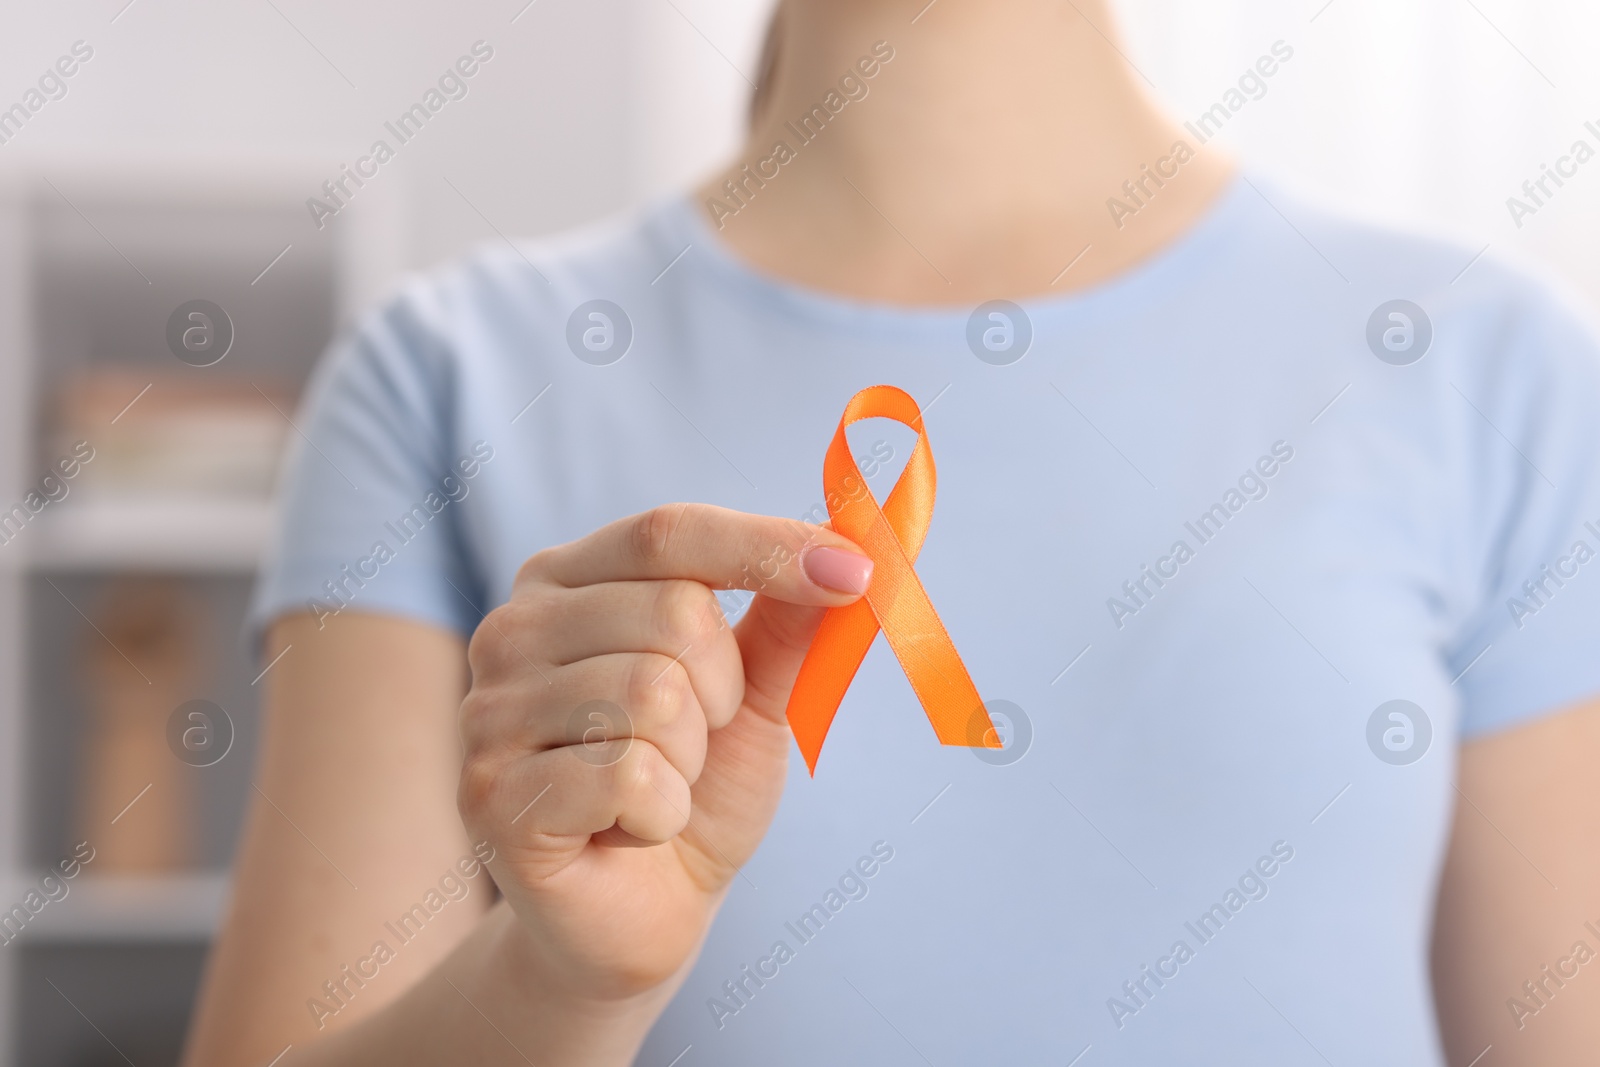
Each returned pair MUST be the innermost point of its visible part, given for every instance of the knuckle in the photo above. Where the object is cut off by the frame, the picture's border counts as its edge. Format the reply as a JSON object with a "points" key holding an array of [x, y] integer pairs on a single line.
{"points": [[534, 568], [635, 774], [652, 531], [514, 617], [480, 782], [685, 613], [503, 638], [483, 650], [657, 690], [476, 720]]}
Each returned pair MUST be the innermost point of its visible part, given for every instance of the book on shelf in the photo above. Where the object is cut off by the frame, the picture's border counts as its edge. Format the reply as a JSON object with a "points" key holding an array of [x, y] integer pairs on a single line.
{"points": [[171, 437]]}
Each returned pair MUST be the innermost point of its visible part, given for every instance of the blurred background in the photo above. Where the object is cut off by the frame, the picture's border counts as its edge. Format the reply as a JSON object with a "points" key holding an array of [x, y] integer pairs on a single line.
{"points": [[165, 291]]}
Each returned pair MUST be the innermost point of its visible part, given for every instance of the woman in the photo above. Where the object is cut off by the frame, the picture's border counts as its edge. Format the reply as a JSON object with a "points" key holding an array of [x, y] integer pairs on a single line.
{"points": [[1267, 578]]}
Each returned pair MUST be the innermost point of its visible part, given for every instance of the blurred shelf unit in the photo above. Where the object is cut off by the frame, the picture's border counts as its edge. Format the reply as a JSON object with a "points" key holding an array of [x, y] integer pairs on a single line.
{"points": [[127, 910], [172, 512], [135, 533]]}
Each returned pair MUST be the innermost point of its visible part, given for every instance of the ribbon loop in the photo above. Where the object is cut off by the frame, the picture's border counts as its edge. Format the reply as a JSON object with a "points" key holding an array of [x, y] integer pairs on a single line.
{"points": [[895, 602]]}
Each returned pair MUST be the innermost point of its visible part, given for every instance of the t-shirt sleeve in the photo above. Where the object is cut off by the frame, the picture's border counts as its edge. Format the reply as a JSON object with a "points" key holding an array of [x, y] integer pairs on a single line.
{"points": [[1530, 449], [365, 518]]}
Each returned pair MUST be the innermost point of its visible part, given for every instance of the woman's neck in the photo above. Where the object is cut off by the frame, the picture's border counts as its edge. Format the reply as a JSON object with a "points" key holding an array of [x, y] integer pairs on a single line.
{"points": [[970, 155]]}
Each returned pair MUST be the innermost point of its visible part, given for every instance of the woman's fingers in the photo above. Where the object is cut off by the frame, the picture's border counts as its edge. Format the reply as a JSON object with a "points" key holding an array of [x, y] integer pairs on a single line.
{"points": [[677, 618], [784, 559], [626, 695], [597, 686], [552, 801]]}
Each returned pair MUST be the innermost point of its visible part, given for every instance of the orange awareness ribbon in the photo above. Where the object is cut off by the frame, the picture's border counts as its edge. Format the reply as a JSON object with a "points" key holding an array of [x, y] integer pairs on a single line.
{"points": [[895, 602]]}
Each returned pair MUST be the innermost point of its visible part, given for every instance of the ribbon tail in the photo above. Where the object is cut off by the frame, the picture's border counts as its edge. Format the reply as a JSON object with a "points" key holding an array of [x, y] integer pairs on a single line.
{"points": [[944, 688], [921, 643], [830, 666]]}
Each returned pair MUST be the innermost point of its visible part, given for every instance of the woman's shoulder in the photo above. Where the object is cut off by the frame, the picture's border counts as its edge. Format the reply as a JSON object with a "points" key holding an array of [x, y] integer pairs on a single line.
{"points": [[517, 294], [1493, 309]]}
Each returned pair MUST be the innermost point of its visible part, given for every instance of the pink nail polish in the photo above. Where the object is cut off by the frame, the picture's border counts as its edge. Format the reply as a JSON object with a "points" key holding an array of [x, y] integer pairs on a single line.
{"points": [[838, 570]]}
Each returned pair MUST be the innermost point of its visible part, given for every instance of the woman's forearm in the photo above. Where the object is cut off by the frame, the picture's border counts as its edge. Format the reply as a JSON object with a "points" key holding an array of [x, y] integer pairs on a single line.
{"points": [[489, 1003]]}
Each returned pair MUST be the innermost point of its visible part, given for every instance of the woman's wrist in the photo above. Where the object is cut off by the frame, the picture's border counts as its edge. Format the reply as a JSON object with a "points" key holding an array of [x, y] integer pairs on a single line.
{"points": [[572, 1027]]}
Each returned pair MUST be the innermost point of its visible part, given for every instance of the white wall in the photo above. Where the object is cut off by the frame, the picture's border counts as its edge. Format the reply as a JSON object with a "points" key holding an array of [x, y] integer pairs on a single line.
{"points": [[1422, 111], [544, 138], [697, 59]]}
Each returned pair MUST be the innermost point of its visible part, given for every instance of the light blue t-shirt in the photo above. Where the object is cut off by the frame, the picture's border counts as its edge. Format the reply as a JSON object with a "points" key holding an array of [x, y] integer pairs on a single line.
{"points": [[1246, 547]]}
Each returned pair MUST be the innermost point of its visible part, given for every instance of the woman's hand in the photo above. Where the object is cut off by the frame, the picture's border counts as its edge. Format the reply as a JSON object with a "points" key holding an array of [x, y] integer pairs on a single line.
{"points": [[626, 749]]}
